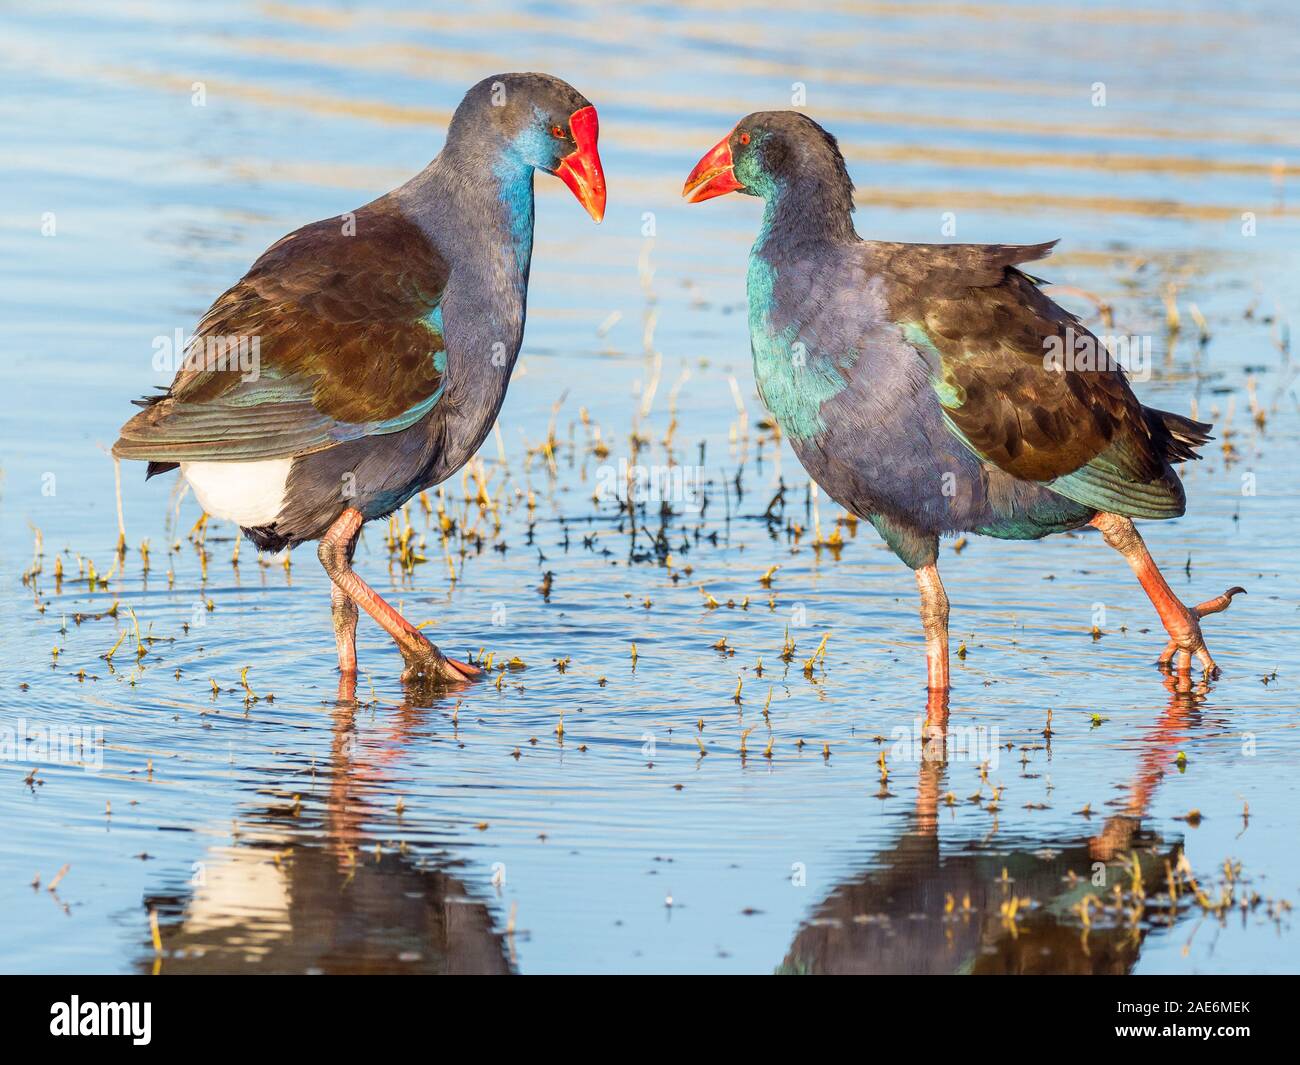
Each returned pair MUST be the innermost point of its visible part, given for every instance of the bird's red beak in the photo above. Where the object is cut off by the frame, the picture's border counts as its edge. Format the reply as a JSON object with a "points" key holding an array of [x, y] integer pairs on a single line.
{"points": [[580, 169], [712, 175]]}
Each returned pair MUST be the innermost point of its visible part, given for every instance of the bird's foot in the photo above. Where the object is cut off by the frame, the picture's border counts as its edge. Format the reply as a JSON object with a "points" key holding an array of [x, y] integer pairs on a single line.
{"points": [[425, 663], [1186, 640]]}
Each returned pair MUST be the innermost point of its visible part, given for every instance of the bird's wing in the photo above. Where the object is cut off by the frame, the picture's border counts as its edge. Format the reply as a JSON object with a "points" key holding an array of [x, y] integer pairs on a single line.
{"points": [[341, 333], [990, 336]]}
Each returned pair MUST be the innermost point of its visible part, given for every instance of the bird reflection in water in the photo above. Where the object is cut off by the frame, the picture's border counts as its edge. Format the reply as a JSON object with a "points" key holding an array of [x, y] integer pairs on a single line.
{"points": [[922, 909], [303, 889]]}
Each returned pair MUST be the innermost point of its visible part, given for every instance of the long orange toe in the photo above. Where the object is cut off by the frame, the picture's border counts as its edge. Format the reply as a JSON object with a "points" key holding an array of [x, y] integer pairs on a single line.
{"points": [[469, 672], [1218, 603]]}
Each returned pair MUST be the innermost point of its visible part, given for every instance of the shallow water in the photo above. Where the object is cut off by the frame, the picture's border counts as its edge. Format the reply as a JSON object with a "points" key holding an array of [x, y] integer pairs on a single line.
{"points": [[288, 826]]}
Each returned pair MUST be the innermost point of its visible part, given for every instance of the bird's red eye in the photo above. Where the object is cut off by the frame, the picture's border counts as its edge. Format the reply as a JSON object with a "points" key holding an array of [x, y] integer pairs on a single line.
{"points": [[557, 133], [744, 138]]}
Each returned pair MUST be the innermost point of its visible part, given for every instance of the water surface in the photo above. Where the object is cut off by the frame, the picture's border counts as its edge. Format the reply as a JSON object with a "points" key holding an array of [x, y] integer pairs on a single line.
{"points": [[276, 823]]}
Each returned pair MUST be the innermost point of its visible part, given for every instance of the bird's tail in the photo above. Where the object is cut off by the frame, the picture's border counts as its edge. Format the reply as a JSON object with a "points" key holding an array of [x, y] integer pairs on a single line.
{"points": [[1178, 437]]}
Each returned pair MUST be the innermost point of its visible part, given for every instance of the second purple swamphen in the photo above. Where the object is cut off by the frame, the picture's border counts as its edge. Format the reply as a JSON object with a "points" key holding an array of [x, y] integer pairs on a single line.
{"points": [[914, 383], [386, 340]]}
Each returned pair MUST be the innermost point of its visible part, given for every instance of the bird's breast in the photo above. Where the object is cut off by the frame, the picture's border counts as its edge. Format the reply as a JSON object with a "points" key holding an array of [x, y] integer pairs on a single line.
{"points": [[796, 387], [795, 375]]}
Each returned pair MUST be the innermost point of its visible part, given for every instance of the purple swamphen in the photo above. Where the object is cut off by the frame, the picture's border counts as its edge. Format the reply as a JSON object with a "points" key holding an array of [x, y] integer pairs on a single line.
{"points": [[384, 342], [932, 388]]}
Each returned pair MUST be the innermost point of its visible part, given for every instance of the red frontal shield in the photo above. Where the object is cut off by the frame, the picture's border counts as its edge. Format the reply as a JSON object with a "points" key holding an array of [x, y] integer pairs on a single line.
{"points": [[581, 169]]}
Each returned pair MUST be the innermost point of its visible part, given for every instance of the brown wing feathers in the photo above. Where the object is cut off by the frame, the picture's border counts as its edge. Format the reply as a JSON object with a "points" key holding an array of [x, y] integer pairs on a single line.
{"points": [[343, 334], [988, 329]]}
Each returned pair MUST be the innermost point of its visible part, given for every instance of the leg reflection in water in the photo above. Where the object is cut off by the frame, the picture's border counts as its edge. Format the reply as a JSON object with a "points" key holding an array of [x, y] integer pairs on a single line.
{"points": [[922, 909]]}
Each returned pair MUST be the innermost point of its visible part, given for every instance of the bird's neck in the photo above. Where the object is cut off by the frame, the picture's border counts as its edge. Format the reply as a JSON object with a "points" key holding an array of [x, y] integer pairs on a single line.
{"points": [[801, 222], [489, 190], [515, 192], [804, 211], [476, 207]]}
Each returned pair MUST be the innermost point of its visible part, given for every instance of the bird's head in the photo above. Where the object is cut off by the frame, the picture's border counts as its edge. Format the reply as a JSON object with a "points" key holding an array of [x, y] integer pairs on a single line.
{"points": [[766, 152], [540, 122]]}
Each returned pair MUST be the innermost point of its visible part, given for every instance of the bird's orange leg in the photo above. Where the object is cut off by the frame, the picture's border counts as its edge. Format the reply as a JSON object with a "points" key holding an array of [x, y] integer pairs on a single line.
{"points": [[423, 660], [345, 628], [1181, 622], [345, 617], [934, 618]]}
